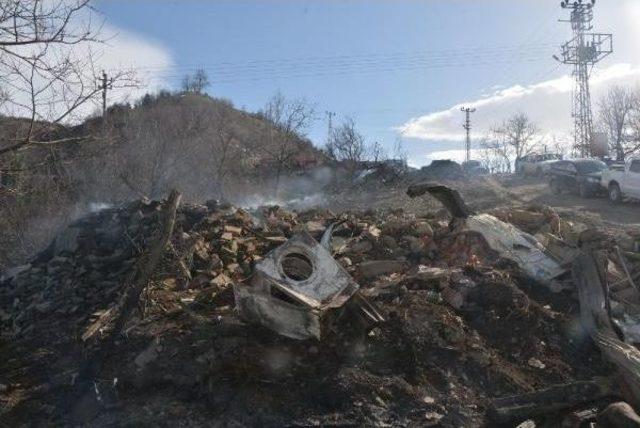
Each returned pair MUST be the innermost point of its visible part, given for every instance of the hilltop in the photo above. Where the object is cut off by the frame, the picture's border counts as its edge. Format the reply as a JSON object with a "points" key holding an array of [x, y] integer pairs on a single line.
{"points": [[202, 145]]}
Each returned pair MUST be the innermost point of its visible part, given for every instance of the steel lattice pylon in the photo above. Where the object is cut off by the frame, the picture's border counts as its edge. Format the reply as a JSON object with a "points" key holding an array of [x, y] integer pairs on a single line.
{"points": [[581, 112], [583, 52]]}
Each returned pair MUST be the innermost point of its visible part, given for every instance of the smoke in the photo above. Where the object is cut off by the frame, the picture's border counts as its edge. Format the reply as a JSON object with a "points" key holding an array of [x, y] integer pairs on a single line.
{"points": [[95, 207], [297, 191], [299, 204]]}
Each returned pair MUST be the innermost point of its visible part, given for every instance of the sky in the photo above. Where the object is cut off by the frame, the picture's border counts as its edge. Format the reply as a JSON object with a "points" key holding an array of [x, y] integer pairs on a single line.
{"points": [[399, 68]]}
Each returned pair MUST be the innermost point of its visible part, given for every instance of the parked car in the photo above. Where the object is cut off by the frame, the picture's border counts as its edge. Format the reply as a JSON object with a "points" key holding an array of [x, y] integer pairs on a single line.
{"points": [[474, 167], [580, 176], [537, 164], [622, 181]]}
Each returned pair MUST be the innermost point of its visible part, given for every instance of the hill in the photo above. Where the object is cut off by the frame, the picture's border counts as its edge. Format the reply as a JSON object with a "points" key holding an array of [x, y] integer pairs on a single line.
{"points": [[199, 144]]}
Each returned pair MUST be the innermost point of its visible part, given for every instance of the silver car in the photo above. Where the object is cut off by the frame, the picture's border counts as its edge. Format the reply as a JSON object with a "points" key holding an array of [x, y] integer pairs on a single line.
{"points": [[536, 164]]}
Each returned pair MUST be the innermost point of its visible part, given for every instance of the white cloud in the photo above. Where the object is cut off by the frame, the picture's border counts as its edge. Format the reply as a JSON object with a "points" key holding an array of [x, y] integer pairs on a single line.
{"points": [[128, 51], [547, 102]]}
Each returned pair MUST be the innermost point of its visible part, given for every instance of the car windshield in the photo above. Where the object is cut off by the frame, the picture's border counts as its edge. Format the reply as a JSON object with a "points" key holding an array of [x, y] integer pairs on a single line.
{"points": [[590, 166]]}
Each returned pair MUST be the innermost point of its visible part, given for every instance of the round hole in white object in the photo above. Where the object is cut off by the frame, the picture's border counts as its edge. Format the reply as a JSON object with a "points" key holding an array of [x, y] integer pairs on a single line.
{"points": [[297, 266]]}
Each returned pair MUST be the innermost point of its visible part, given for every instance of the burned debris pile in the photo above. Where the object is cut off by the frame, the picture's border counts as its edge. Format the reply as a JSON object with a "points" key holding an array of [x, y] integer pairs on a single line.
{"points": [[161, 312]]}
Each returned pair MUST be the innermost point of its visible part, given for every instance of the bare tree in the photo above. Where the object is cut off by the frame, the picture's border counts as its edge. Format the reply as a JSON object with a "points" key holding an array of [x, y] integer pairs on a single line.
{"points": [[494, 154], [514, 138], [399, 153], [186, 84], [196, 82], [200, 80], [377, 153], [347, 145], [170, 145], [290, 120], [560, 146], [47, 66], [518, 134], [632, 146], [223, 146], [616, 114]]}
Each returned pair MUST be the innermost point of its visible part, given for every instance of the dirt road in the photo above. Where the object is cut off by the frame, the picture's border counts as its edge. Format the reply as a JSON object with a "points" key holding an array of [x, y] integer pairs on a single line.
{"points": [[488, 192], [535, 191]]}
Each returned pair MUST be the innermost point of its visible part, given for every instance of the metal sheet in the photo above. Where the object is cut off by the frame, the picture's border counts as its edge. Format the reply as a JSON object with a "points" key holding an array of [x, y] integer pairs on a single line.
{"points": [[296, 308], [328, 279], [516, 245]]}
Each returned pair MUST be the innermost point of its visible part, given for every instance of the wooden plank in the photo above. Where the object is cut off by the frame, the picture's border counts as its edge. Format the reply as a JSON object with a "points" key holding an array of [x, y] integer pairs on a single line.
{"points": [[590, 277], [550, 400]]}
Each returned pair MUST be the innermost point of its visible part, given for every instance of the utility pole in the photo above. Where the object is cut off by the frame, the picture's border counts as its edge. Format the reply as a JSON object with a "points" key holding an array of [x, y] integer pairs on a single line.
{"points": [[330, 116], [467, 125], [105, 85], [583, 51]]}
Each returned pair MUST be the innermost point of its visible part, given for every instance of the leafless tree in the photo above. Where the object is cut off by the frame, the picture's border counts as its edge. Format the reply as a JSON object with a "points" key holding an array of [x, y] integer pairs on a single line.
{"points": [[290, 120], [347, 145], [514, 138], [616, 118], [519, 134], [196, 82], [168, 145], [223, 146], [399, 153], [494, 154], [377, 153], [632, 145], [47, 67], [560, 146]]}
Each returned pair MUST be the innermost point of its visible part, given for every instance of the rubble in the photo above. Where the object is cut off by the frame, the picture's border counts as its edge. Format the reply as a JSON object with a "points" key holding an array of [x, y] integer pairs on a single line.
{"points": [[618, 415], [505, 239], [520, 247], [374, 268], [606, 313], [545, 401], [461, 328]]}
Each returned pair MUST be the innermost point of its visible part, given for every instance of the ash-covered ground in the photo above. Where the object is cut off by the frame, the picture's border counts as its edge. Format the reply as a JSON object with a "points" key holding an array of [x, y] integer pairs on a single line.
{"points": [[453, 339]]}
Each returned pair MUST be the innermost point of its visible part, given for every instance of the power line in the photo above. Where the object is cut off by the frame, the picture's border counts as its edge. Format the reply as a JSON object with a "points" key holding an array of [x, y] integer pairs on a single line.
{"points": [[531, 40], [321, 60], [359, 63], [254, 71], [490, 114], [367, 62], [367, 65], [346, 70], [540, 28]]}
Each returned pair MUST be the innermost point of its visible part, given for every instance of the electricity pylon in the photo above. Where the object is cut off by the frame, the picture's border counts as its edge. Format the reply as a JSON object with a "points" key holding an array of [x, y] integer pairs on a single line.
{"points": [[583, 52]]}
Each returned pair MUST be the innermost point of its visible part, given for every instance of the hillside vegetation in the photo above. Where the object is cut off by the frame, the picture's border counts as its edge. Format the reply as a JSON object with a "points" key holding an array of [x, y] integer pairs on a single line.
{"points": [[201, 145]]}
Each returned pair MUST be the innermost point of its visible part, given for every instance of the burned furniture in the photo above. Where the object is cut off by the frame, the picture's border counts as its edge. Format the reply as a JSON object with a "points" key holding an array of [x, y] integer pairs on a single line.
{"points": [[300, 291]]}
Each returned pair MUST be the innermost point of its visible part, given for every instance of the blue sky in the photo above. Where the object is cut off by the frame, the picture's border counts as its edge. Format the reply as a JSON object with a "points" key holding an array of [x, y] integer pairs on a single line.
{"points": [[384, 63]]}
